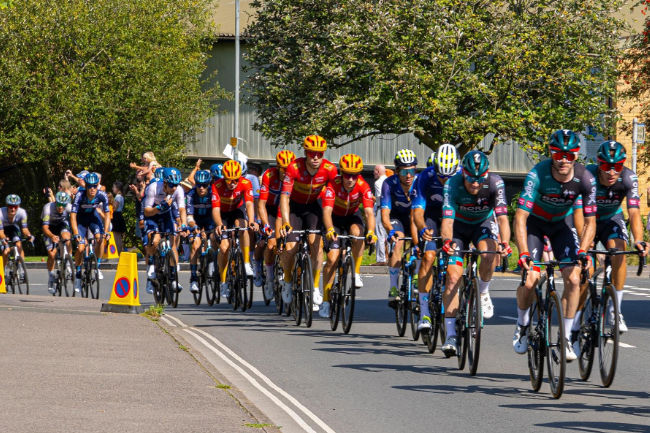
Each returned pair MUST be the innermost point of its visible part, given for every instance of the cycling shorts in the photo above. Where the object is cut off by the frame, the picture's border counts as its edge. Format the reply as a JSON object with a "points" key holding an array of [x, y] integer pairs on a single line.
{"points": [[92, 225], [56, 230], [158, 223], [562, 234], [229, 219], [12, 232], [464, 233], [304, 217], [611, 228], [206, 224], [401, 223], [342, 226]]}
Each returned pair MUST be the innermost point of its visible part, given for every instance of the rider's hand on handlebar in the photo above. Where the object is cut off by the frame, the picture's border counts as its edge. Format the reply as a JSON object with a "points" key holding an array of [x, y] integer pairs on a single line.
{"points": [[524, 260], [642, 246], [254, 226], [449, 246], [330, 235], [267, 229], [220, 229], [583, 258], [286, 229], [426, 234], [506, 250], [371, 238], [391, 235]]}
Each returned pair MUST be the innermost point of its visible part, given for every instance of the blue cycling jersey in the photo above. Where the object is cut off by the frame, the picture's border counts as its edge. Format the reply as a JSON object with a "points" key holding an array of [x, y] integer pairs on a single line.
{"points": [[197, 206], [394, 198], [85, 207], [427, 193]]}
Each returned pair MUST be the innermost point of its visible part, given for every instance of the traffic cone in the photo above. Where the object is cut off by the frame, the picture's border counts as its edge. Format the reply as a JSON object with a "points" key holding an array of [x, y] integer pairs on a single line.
{"points": [[125, 297], [111, 248], [3, 286]]}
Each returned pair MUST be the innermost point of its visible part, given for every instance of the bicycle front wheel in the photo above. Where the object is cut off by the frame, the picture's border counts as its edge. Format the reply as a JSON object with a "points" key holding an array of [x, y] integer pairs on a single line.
{"points": [[401, 314], [248, 292], [172, 280], [201, 281], [436, 318], [348, 295], [67, 275], [335, 299], [474, 326], [414, 312], [608, 336], [296, 301], [555, 348], [536, 343], [307, 290], [277, 287], [21, 274], [587, 340], [93, 280], [461, 324]]}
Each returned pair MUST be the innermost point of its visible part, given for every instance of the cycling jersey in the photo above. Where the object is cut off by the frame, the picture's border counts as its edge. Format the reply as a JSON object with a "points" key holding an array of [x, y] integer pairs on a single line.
{"points": [[255, 184], [610, 198], [303, 187], [50, 216], [460, 205], [394, 198], [86, 208], [271, 187], [19, 220], [154, 194], [346, 203], [427, 193], [550, 200], [228, 200], [199, 209]]}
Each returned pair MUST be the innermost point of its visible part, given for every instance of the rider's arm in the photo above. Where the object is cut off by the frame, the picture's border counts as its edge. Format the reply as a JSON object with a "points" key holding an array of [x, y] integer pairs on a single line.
{"points": [[521, 233], [385, 220], [73, 223], [504, 228], [46, 231], [588, 233], [370, 218], [285, 194], [590, 208], [261, 212], [327, 218], [636, 224], [447, 228]]}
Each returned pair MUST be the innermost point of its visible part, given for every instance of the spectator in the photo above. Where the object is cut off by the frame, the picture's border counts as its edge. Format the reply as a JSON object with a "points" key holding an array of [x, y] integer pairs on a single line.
{"points": [[137, 189], [119, 225], [379, 174], [149, 164]]}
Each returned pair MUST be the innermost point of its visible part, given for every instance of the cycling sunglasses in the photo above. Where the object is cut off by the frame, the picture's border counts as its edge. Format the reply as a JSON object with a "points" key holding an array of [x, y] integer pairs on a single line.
{"points": [[559, 156], [12, 206], [202, 185], [314, 154], [350, 176], [476, 179], [606, 166], [407, 171]]}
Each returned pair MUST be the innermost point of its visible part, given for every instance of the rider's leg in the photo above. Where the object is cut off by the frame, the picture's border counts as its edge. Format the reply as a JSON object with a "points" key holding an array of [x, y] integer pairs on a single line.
{"points": [[222, 259], [619, 268], [329, 271], [425, 281], [287, 259], [316, 258], [570, 296], [450, 297], [51, 254], [269, 257], [194, 255], [394, 263]]}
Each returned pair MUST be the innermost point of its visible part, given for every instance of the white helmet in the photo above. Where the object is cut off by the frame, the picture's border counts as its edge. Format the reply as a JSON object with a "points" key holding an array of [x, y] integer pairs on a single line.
{"points": [[405, 157], [446, 160]]}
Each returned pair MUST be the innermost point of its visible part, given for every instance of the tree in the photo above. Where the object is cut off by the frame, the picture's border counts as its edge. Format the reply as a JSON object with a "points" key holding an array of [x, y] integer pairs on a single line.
{"points": [[94, 84], [445, 70]]}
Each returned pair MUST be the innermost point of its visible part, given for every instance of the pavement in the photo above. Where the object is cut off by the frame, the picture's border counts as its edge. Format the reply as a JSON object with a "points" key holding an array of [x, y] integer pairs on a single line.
{"points": [[67, 367]]}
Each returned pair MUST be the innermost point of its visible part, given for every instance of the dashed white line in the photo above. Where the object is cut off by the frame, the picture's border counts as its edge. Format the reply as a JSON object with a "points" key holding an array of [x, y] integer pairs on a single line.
{"points": [[508, 317], [628, 346]]}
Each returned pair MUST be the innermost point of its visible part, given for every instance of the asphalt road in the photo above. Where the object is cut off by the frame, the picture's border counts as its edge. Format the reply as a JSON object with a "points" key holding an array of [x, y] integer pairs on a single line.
{"points": [[373, 381]]}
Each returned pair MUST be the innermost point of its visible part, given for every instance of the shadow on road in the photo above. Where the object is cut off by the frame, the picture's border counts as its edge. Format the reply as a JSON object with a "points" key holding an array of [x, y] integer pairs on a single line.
{"points": [[582, 426]]}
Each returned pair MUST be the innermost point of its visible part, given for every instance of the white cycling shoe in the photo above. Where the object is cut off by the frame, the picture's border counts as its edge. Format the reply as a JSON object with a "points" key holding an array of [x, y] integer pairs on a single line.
{"points": [[520, 339], [50, 285], [194, 286], [151, 272], [486, 306], [317, 296], [249, 269], [358, 282], [77, 285], [450, 348], [287, 292], [570, 355], [100, 275], [324, 311], [224, 289], [268, 290]]}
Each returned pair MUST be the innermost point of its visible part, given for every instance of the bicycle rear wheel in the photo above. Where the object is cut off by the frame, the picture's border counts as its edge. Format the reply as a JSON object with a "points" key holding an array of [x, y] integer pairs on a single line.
{"points": [[555, 350], [296, 301], [335, 299], [587, 340], [536, 344], [461, 324], [67, 275], [172, 279], [307, 290], [608, 336], [436, 318], [202, 281], [474, 327], [348, 295], [414, 311], [21, 274]]}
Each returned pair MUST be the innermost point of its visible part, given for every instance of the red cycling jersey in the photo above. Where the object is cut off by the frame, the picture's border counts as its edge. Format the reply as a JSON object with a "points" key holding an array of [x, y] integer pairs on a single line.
{"points": [[271, 186], [303, 187], [346, 203], [228, 200]]}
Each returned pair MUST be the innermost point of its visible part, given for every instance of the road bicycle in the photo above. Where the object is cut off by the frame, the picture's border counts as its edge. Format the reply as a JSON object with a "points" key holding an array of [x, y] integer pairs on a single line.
{"points": [[65, 270], [303, 280], [16, 278], [599, 320], [436, 306], [241, 286], [407, 305], [166, 281], [89, 270], [207, 260]]}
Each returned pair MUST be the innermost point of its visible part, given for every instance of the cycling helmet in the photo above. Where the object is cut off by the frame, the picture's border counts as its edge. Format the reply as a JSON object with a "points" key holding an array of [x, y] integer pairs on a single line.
{"points": [[82, 174], [13, 200], [284, 158], [92, 179], [611, 152], [475, 163], [564, 140], [231, 170], [62, 198], [351, 163], [172, 176], [216, 171], [158, 173], [447, 161], [315, 143], [431, 159], [202, 176], [405, 157]]}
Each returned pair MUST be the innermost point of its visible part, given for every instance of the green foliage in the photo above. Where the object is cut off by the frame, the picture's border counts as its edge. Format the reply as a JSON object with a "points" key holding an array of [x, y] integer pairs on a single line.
{"points": [[94, 84], [445, 70]]}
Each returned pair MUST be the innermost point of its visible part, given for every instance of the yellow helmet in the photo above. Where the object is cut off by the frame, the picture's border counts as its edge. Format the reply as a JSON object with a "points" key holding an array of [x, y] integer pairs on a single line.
{"points": [[315, 143], [284, 158], [351, 163], [231, 170]]}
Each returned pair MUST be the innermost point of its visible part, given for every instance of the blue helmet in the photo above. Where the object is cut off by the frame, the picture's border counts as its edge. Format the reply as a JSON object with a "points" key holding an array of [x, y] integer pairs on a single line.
{"points": [[62, 198], [13, 200], [82, 174], [172, 176], [202, 176], [158, 173], [215, 171], [92, 179]]}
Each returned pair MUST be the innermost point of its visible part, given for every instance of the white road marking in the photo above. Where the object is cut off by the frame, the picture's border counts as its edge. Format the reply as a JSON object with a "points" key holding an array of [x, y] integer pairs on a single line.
{"points": [[256, 384], [177, 321], [629, 346], [509, 317], [167, 321]]}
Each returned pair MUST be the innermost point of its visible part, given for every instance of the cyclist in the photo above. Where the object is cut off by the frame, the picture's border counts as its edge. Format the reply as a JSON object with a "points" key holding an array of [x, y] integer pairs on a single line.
{"points": [[395, 212], [545, 207], [341, 214], [614, 182], [56, 227], [160, 198], [471, 200], [229, 195], [426, 214], [13, 221], [85, 220], [216, 171], [303, 182], [268, 211], [200, 219], [151, 181]]}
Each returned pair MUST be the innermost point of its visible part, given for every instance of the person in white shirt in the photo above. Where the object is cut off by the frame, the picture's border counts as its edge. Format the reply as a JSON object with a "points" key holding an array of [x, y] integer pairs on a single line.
{"points": [[380, 175]]}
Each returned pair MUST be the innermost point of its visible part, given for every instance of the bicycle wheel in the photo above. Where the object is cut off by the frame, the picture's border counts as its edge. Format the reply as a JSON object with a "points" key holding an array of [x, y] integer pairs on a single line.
{"points": [[401, 309], [277, 287], [21, 274], [335, 300], [296, 301], [249, 287], [201, 281], [348, 295], [216, 278], [172, 280], [160, 281], [536, 343], [236, 277], [474, 326], [436, 318], [208, 280], [265, 281], [67, 275], [85, 278], [461, 324], [555, 349], [93, 285], [13, 278], [587, 340], [414, 311], [307, 290], [608, 336]]}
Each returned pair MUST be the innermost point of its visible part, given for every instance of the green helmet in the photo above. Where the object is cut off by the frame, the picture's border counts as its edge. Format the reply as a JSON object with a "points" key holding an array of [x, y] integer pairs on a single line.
{"points": [[475, 163], [611, 152], [564, 140], [62, 198], [13, 200]]}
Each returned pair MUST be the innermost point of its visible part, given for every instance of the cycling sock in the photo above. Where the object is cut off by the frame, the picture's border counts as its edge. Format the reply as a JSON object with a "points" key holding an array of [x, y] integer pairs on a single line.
{"points": [[258, 265], [317, 277], [224, 272], [269, 271], [619, 299], [247, 254], [523, 316], [193, 269], [568, 324], [288, 276], [99, 262], [150, 260], [394, 276], [357, 264], [424, 305], [450, 324], [483, 286], [576, 321], [326, 293]]}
